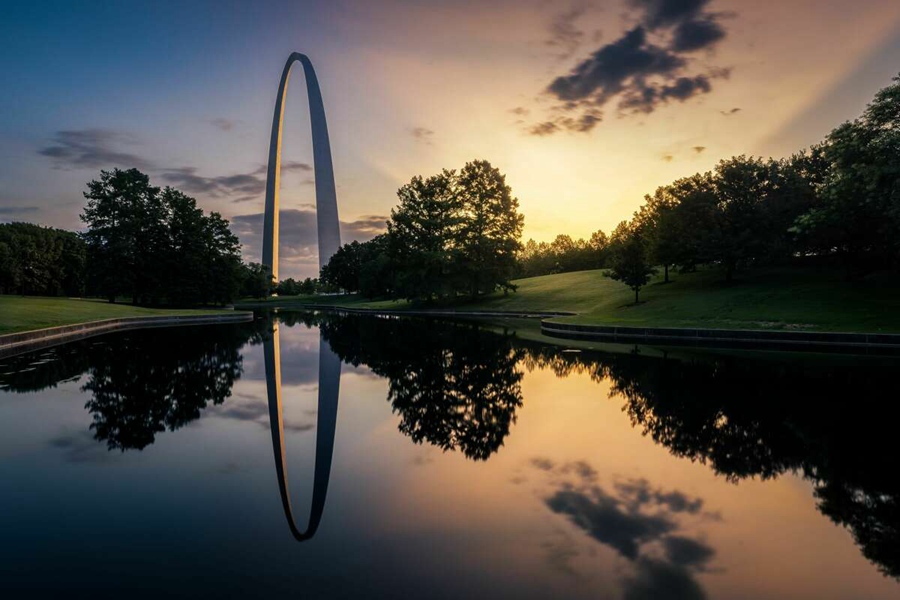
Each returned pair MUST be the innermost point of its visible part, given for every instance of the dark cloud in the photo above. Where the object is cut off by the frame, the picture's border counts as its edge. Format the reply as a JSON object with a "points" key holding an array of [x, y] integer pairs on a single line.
{"points": [[298, 250], [565, 36], [656, 579], [223, 123], [647, 67], [666, 13], [696, 35], [609, 70], [520, 111], [18, 210], [699, 149], [731, 112], [92, 149], [640, 522], [605, 519], [668, 157], [687, 552], [423, 134]]}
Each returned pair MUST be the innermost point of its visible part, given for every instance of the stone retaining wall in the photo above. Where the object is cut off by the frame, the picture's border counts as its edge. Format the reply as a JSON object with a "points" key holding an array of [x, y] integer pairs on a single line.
{"points": [[740, 338], [26, 341]]}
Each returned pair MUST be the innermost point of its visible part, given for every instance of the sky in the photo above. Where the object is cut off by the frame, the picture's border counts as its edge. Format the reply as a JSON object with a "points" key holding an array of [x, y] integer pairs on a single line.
{"points": [[586, 106]]}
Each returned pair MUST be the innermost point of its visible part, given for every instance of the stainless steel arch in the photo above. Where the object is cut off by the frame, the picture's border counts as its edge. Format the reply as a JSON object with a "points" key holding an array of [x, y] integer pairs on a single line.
{"points": [[328, 226], [329, 391]]}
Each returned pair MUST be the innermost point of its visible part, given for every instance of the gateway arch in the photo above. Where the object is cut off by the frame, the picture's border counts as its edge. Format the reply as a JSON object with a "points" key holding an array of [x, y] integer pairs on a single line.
{"points": [[326, 198]]}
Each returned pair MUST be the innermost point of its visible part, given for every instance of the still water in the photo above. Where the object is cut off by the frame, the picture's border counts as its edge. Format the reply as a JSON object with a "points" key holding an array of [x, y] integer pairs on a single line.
{"points": [[348, 456]]}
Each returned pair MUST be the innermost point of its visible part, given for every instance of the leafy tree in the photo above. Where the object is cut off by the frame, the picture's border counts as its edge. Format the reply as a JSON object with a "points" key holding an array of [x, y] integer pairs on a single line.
{"points": [[126, 235], [490, 227], [422, 231], [157, 245], [858, 216], [342, 269], [40, 260], [256, 281], [629, 258]]}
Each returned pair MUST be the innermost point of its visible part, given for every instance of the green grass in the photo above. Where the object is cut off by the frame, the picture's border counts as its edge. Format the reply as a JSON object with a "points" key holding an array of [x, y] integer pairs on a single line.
{"points": [[19, 313], [806, 299]]}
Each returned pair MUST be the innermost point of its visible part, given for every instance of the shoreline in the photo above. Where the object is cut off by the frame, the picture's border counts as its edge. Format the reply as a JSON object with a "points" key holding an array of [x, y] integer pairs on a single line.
{"points": [[21, 342], [754, 339]]}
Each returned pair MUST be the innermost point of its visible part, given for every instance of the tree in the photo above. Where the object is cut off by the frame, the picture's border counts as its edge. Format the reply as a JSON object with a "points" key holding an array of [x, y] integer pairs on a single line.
{"points": [[858, 215], [257, 281], [422, 230], [40, 260], [342, 269], [628, 258], [157, 245], [124, 216], [490, 227]]}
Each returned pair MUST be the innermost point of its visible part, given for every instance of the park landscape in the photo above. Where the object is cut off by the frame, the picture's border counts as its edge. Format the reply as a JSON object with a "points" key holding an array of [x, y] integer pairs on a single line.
{"points": [[675, 395]]}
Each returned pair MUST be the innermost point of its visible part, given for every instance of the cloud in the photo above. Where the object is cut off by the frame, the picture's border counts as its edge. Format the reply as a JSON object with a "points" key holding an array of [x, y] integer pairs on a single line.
{"points": [[81, 447], [422, 134], [699, 149], [731, 112], [222, 123], [656, 579], [564, 35], [520, 111], [643, 524], [97, 148], [92, 149], [18, 210], [241, 187], [666, 13], [668, 157], [298, 250], [687, 552], [604, 518], [696, 35], [647, 67]]}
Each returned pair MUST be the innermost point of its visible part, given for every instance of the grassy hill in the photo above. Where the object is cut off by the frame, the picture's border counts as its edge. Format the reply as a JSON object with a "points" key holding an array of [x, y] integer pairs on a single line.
{"points": [[817, 299], [18, 313]]}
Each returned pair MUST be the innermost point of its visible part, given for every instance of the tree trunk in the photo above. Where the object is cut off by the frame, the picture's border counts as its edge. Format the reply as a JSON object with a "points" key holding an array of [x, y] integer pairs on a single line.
{"points": [[636, 291], [667, 273]]}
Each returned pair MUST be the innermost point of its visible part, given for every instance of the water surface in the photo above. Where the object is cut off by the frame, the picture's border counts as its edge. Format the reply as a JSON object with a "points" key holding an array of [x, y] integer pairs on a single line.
{"points": [[341, 457]]}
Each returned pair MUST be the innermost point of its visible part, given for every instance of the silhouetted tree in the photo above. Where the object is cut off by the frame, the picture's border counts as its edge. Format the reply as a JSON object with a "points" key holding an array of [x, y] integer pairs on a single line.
{"points": [[628, 259]]}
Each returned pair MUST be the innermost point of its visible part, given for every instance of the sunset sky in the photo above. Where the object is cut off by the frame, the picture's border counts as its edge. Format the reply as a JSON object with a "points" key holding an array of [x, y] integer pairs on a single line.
{"points": [[584, 105]]}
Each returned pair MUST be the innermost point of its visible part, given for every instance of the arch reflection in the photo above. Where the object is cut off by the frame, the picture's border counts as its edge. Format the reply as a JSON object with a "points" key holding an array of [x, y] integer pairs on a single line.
{"points": [[329, 390]]}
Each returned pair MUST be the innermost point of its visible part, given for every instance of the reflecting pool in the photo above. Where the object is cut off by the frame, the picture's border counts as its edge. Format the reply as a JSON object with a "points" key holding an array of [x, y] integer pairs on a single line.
{"points": [[340, 456]]}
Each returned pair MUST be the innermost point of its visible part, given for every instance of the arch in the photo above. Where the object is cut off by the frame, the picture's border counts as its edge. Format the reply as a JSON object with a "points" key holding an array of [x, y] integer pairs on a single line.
{"points": [[326, 424], [327, 223]]}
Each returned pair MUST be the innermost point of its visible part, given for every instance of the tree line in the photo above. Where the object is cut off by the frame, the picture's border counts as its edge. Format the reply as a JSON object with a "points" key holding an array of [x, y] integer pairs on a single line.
{"points": [[453, 234], [41, 260], [838, 201], [149, 245]]}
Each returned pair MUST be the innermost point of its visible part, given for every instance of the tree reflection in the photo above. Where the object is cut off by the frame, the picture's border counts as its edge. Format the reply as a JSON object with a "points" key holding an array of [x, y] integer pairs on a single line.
{"points": [[139, 389], [141, 383], [454, 386], [745, 418]]}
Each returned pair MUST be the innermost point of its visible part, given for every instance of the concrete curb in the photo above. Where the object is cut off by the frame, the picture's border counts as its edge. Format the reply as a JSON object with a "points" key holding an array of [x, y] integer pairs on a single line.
{"points": [[880, 343], [26, 341], [428, 313]]}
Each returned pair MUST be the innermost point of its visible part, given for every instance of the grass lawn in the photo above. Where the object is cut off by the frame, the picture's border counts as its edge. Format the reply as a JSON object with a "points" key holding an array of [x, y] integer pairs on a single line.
{"points": [[18, 313], [816, 299]]}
